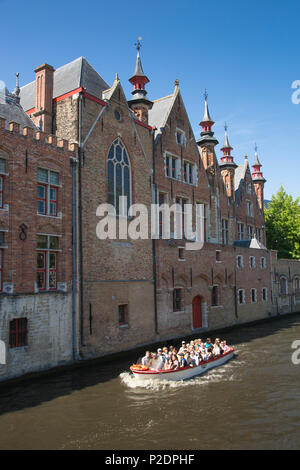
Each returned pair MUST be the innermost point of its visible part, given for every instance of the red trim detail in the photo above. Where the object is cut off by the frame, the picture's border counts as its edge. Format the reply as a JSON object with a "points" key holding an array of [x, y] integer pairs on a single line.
{"points": [[183, 368], [141, 123], [66, 95], [93, 98], [30, 111]]}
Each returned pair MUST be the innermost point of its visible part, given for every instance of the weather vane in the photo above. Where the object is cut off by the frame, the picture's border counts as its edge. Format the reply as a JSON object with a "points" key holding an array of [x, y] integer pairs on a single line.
{"points": [[226, 127], [205, 94], [138, 43], [255, 147]]}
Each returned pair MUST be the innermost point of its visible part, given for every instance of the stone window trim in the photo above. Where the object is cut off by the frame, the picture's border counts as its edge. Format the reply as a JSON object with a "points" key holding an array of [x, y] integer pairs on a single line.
{"points": [[253, 295], [47, 191], [283, 286], [181, 253], [241, 297], [180, 137], [252, 264], [264, 294], [240, 261], [263, 262], [296, 285], [175, 166], [47, 262], [189, 173]]}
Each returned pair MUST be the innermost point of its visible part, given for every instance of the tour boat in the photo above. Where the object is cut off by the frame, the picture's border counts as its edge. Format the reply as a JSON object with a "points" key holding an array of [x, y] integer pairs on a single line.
{"points": [[143, 372]]}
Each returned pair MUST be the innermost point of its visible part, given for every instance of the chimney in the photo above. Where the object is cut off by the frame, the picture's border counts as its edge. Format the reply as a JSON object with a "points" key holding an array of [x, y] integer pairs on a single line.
{"points": [[44, 77]]}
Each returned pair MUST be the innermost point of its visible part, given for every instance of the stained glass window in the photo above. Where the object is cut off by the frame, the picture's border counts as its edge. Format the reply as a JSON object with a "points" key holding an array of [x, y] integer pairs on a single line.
{"points": [[118, 176]]}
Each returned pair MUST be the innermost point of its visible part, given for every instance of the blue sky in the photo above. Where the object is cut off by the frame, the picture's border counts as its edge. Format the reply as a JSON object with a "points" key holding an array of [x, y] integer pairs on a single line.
{"points": [[245, 53]]}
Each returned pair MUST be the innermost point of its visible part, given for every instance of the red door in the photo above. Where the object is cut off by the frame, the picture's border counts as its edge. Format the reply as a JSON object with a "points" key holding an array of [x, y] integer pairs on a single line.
{"points": [[197, 312]]}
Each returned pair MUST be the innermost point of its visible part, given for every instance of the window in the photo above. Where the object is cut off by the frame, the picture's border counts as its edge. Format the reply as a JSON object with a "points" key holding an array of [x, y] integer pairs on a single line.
{"points": [[180, 217], [177, 300], [214, 296], [263, 263], [249, 208], [241, 231], [1, 269], [2, 173], [188, 172], [118, 177], [250, 232], [241, 296], [297, 285], [253, 296], [123, 314], [181, 253], [117, 115], [48, 246], [18, 333], [2, 238], [162, 199], [218, 256], [180, 137], [240, 261], [284, 286], [252, 262], [171, 167], [258, 234], [225, 231], [47, 190], [264, 294]]}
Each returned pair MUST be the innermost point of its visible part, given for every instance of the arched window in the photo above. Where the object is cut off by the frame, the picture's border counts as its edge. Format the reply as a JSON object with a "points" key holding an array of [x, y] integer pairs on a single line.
{"points": [[118, 176], [283, 286], [297, 285]]}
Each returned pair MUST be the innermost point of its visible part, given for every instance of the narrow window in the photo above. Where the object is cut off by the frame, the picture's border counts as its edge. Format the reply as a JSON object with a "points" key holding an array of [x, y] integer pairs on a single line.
{"points": [[297, 285], [224, 231], [241, 296], [240, 262], [253, 296], [47, 250], [252, 262], [283, 286], [264, 294], [218, 256], [214, 296], [18, 333], [2, 173], [123, 314], [241, 231], [181, 253], [1, 270], [177, 300]]}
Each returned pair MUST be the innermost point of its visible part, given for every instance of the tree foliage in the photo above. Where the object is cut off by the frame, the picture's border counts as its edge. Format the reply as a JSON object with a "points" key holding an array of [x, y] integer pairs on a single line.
{"points": [[283, 225]]}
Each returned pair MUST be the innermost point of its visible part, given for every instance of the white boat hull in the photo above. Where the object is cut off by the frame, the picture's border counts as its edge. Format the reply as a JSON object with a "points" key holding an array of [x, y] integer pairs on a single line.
{"points": [[183, 373]]}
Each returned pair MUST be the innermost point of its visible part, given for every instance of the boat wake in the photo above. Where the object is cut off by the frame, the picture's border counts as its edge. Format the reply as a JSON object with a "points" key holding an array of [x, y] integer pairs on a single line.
{"points": [[222, 374]]}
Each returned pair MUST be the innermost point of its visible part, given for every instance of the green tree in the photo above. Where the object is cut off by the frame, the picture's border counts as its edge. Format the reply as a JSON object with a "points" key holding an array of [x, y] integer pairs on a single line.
{"points": [[283, 225]]}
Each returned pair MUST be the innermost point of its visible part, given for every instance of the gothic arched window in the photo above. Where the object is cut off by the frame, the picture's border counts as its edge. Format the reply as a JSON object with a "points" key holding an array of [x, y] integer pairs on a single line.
{"points": [[118, 176]]}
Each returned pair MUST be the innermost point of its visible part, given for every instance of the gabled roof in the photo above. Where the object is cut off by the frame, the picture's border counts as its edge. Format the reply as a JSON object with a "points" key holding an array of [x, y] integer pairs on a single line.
{"points": [[160, 111], [69, 77], [11, 110]]}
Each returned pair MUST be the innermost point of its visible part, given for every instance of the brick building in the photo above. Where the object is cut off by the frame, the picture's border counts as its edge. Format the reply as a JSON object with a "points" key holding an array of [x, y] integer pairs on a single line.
{"points": [[130, 292], [35, 244]]}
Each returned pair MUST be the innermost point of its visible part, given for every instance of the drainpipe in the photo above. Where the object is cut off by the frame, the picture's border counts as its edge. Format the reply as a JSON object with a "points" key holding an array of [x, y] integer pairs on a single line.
{"points": [[81, 146], [76, 356], [154, 241]]}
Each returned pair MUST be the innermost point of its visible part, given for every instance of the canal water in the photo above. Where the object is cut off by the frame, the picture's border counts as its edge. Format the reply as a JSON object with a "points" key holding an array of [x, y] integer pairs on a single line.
{"points": [[253, 402]]}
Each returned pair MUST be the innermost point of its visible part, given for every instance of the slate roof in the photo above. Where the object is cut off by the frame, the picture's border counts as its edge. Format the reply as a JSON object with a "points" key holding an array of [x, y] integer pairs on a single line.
{"points": [[75, 74], [159, 113], [11, 110]]}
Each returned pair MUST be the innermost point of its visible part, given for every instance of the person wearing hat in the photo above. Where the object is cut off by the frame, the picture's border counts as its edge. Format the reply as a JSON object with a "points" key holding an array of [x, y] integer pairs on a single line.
{"points": [[183, 347]]}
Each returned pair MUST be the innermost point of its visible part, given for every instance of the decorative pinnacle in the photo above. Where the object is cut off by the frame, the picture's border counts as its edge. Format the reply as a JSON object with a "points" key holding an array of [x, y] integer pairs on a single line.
{"points": [[255, 148], [226, 127], [17, 89], [205, 94], [176, 83]]}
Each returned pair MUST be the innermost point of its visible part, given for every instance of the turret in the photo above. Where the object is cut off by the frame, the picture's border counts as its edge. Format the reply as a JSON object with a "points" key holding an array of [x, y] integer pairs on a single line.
{"points": [[228, 166], [139, 104], [258, 180]]}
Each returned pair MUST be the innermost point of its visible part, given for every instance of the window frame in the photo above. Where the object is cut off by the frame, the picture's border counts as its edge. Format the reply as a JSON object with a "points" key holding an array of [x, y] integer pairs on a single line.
{"points": [[19, 331], [253, 291], [1, 268], [125, 312], [179, 299], [243, 293], [47, 269], [48, 186]]}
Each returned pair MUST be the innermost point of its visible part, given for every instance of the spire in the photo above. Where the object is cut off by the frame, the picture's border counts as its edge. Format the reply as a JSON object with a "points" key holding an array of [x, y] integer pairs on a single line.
{"points": [[138, 78], [207, 136], [139, 104], [257, 174], [227, 159], [206, 117], [17, 89]]}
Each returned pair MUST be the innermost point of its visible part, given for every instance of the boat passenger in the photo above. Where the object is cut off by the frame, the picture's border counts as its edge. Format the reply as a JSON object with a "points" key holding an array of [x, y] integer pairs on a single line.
{"points": [[225, 347], [195, 358], [146, 359], [182, 360], [165, 352], [208, 343]]}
